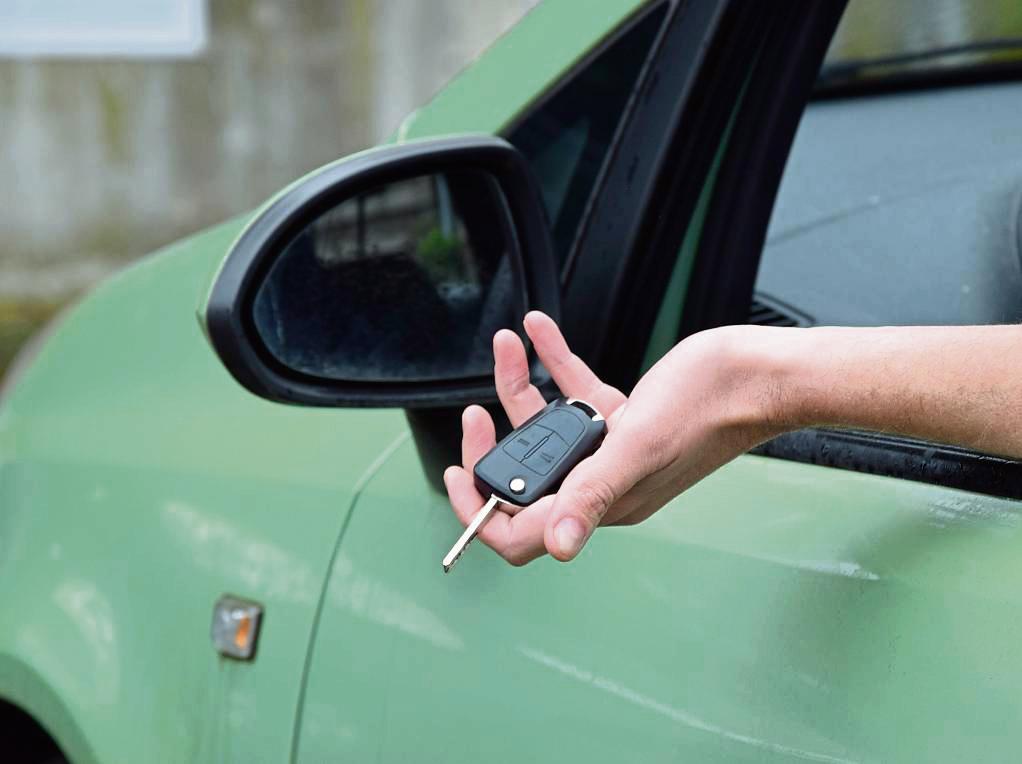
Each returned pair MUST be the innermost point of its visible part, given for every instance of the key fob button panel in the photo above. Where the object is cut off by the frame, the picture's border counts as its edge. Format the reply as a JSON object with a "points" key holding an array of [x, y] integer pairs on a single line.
{"points": [[540, 453], [566, 424], [525, 441], [542, 458]]}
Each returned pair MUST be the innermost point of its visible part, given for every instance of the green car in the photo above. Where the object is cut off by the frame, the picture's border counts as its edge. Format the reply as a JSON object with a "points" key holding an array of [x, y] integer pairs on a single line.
{"points": [[220, 539]]}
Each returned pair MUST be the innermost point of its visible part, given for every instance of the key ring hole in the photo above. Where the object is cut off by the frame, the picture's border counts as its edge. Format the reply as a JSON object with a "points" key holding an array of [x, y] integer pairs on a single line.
{"points": [[587, 408]]}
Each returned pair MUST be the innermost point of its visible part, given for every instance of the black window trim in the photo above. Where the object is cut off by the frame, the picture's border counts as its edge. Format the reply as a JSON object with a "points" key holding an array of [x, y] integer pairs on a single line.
{"points": [[568, 78], [898, 456], [655, 164], [713, 56]]}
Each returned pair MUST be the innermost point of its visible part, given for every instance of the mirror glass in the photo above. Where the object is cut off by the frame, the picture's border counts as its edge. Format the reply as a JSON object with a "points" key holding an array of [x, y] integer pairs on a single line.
{"points": [[405, 282]]}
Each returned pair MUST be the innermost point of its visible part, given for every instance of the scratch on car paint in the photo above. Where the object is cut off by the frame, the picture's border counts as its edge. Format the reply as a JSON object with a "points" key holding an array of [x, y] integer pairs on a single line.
{"points": [[808, 679], [950, 510], [671, 712], [266, 569], [90, 614], [844, 568], [368, 597], [838, 568]]}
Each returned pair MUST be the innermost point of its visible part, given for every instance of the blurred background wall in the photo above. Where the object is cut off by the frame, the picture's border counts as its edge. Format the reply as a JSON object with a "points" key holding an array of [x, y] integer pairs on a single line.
{"points": [[127, 124], [117, 139]]}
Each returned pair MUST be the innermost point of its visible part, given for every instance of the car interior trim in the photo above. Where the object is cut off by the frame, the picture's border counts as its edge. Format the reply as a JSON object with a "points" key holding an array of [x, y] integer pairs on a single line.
{"points": [[900, 457]]}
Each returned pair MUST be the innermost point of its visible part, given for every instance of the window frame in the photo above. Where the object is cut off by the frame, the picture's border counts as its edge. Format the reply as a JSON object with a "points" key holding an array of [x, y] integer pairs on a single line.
{"points": [[569, 77], [748, 65]]}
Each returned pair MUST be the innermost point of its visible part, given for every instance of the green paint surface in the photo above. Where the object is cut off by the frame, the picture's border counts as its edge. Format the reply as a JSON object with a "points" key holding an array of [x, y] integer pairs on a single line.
{"points": [[139, 482], [518, 68], [775, 612]]}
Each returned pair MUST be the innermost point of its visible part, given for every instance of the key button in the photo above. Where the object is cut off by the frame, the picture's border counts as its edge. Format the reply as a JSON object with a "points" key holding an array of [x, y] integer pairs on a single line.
{"points": [[525, 441], [564, 424], [517, 485], [543, 459]]}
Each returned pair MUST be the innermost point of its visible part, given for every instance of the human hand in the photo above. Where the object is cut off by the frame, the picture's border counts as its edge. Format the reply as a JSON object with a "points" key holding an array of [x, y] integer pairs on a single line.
{"points": [[695, 410]]}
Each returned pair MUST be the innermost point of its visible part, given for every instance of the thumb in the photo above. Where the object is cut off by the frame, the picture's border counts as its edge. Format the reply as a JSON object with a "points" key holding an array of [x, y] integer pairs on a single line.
{"points": [[589, 491]]}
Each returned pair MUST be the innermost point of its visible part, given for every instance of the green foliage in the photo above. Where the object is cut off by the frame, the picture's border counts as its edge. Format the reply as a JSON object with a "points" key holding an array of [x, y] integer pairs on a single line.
{"points": [[441, 255], [18, 321]]}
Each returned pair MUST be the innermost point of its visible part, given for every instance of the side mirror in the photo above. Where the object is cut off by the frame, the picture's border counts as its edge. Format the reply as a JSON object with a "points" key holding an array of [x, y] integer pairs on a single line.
{"points": [[380, 280]]}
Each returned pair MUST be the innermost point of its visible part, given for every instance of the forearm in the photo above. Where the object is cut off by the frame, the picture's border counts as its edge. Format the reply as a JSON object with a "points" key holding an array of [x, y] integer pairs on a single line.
{"points": [[956, 385], [718, 393]]}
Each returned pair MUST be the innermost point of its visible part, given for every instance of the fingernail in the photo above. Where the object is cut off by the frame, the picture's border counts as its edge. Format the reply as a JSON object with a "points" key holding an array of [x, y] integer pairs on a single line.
{"points": [[569, 535]]}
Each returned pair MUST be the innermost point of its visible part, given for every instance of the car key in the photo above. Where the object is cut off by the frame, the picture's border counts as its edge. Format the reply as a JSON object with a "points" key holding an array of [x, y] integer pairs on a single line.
{"points": [[532, 461]]}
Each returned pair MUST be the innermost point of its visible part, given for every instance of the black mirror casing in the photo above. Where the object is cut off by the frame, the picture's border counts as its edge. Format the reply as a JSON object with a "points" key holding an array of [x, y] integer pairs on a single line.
{"points": [[229, 309]]}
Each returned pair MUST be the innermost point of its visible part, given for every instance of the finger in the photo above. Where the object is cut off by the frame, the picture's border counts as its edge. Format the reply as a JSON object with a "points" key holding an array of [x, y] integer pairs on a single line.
{"points": [[521, 540], [651, 504], [517, 539], [478, 435], [663, 488], [637, 497], [461, 490], [589, 491], [478, 438], [517, 394], [573, 377]]}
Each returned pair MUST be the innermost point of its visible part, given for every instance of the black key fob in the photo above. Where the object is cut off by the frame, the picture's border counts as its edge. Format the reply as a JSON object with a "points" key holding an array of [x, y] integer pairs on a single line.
{"points": [[534, 459]]}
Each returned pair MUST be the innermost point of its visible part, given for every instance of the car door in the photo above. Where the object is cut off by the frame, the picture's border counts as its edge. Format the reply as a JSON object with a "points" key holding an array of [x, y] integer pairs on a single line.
{"points": [[879, 573], [663, 640]]}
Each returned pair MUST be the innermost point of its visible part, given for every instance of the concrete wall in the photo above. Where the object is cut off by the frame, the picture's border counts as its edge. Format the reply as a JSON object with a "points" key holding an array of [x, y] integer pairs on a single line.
{"points": [[104, 160]]}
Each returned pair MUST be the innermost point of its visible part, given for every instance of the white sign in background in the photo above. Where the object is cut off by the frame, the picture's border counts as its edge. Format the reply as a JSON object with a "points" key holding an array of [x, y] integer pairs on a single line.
{"points": [[102, 28]]}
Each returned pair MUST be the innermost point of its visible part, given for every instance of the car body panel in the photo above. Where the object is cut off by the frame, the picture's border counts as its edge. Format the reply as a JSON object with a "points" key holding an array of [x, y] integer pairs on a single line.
{"points": [[511, 76], [139, 483], [775, 612]]}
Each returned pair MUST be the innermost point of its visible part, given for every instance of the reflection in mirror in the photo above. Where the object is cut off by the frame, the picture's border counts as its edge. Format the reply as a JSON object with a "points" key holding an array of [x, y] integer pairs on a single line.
{"points": [[406, 282]]}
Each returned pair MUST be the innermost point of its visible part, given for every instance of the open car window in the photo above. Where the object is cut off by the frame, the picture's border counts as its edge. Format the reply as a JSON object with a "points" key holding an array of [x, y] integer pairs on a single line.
{"points": [[901, 208]]}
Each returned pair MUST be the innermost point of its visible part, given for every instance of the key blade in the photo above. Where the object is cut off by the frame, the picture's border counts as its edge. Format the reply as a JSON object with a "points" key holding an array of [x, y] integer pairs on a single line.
{"points": [[470, 533]]}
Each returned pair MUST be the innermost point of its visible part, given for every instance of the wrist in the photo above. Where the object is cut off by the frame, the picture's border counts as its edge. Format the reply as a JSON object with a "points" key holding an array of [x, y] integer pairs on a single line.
{"points": [[768, 378]]}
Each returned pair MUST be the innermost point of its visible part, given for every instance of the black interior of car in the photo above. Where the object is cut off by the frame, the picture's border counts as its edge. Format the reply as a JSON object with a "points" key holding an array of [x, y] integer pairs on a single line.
{"points": [[899, 209]]}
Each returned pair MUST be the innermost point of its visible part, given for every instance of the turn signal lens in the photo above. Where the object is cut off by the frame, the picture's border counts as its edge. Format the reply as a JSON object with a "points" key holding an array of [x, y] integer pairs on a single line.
{"points": [[236, 627]]}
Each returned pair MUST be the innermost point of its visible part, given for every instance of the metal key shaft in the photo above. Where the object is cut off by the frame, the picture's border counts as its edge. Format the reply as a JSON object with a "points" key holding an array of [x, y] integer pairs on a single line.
{"points": [[470, 533]]}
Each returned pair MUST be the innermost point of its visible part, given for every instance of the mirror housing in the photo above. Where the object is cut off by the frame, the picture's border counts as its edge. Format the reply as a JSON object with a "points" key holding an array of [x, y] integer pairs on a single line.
{"points": [[502, 196]]}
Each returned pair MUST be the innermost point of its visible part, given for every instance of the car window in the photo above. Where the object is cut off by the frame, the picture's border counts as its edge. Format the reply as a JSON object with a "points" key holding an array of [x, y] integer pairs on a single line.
{"points": [[901, 207], [567, 137]]}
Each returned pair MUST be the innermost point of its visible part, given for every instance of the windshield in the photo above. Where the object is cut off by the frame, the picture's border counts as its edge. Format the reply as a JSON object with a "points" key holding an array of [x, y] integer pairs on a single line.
{"points": [[893, 39]]}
